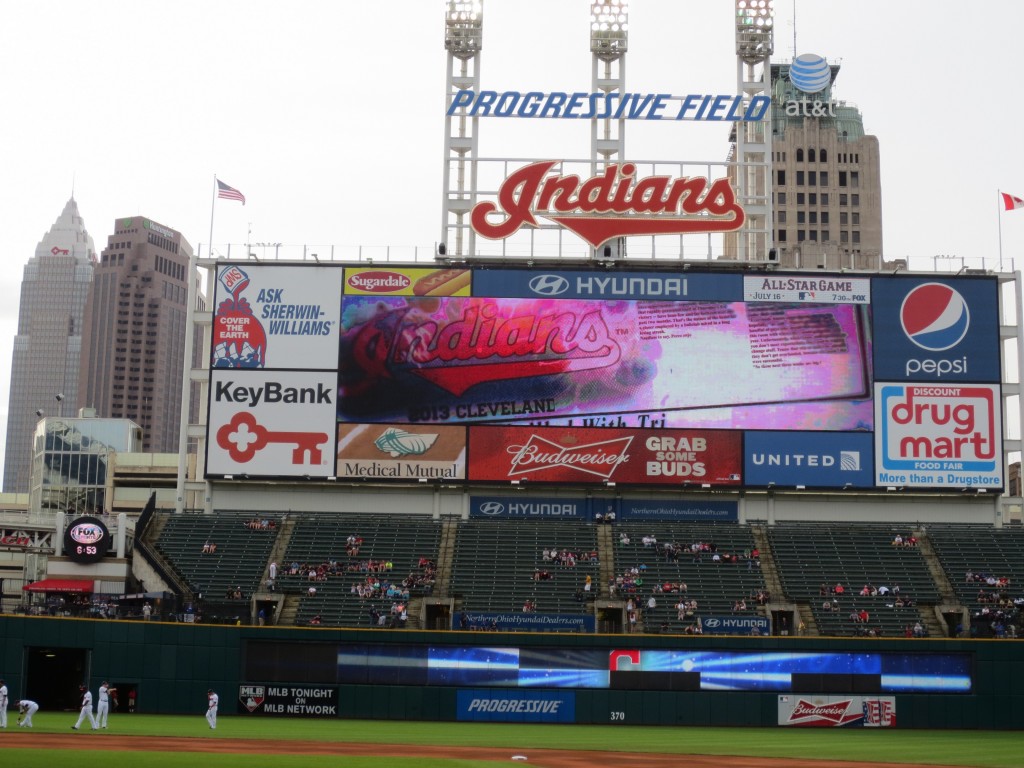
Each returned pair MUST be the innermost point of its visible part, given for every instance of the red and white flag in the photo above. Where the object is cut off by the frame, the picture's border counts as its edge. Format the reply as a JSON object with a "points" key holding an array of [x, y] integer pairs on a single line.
{"points": [[1011, 202], [230, 193]]}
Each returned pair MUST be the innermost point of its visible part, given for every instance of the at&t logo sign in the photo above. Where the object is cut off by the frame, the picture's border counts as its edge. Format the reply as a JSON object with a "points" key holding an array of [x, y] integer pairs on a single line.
{"points": [[935, 318]]}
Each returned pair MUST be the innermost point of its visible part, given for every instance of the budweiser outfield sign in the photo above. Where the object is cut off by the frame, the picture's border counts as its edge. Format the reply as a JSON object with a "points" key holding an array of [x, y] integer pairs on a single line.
{"points": [[837, 711], [614, 204]]}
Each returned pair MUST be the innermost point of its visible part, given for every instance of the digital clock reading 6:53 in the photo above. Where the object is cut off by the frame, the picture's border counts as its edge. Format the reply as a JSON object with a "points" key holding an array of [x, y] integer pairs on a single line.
{"points": [[86, 540]]}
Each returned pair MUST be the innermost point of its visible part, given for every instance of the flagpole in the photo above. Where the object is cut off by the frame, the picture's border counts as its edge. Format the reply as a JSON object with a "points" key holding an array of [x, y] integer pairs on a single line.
{"points": [[999, 216], [213, 207]]}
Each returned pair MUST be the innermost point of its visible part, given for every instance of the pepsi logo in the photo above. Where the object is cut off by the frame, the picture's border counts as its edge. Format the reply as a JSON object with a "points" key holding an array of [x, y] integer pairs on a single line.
{"points": [[935, 317]]}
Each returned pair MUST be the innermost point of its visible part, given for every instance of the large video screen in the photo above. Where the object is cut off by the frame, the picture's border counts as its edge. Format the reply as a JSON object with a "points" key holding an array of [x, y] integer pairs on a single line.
{"points": [[692, 669], [756, 379]]}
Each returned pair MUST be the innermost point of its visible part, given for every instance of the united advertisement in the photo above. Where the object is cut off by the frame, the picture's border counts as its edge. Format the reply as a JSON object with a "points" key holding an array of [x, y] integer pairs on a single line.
{"points": [[812, 460]]}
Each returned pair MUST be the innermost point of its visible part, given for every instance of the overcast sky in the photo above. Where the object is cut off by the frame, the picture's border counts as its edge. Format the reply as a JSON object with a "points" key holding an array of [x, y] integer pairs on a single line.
{"points": [[329, 116]]}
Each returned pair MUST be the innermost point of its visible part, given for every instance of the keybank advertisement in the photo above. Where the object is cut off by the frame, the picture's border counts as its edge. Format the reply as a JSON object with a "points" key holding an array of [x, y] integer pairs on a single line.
{"points": [[503, 706], [811, 459], [936, 330], [276, 317], [271, 423], [938, 435]]}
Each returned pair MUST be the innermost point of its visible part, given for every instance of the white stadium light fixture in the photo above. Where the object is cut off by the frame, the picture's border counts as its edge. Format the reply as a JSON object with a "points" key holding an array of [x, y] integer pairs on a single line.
{"points": [[755, 22], [463, 27], [609, 28]]}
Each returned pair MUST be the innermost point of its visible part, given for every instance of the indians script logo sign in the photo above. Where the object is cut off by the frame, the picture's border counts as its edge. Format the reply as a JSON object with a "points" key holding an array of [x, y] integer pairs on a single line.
{"points": [[614, 204]]}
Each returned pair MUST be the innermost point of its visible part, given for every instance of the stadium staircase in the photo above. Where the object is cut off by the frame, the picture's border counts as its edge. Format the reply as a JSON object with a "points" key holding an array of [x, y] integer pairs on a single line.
{"points": [[606, 551], [445, 557]]}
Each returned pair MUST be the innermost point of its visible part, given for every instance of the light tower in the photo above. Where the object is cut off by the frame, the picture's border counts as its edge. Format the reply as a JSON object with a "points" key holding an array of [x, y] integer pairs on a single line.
{"points": [[755, 27], [463, 39], [609, 41]]}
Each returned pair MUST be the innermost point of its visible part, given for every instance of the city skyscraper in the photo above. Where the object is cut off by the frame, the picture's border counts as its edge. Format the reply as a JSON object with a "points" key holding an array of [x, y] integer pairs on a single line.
{"points": [[134, 339], [48, 345], [825, 174]]}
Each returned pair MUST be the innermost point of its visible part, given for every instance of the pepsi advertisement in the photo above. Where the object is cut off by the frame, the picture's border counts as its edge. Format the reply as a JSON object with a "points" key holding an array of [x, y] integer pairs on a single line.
{"points": [[936, 330]]}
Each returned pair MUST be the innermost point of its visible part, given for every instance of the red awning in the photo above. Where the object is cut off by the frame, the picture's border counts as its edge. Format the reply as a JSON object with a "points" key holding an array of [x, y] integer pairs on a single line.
{"points": [[59, 585]]}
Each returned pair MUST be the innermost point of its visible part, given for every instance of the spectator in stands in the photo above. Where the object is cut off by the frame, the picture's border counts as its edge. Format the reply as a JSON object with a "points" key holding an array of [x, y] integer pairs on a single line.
{"points": [[206, 547], [865, 591], [311, 592], [651, 604], [623, 537], [864, 616], [823, 590], [898, 541], [838, 589], [739, 605], [315, 621], [918, 629], [529, 606]]}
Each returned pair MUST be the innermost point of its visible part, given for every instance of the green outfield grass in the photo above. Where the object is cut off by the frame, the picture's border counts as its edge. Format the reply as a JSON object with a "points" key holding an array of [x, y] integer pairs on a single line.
{"points": [[978, 749]]}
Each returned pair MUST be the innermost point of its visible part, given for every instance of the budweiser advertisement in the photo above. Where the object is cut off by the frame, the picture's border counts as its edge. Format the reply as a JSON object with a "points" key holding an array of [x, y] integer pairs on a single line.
{"points": [[837, 711], [608, 455], [626, 363], [613, 204]]}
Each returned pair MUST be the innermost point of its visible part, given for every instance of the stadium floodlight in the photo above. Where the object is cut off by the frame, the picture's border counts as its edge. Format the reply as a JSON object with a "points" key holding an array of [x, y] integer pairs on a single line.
{"points": [[755, 26], [464, 27], [609, 28]]}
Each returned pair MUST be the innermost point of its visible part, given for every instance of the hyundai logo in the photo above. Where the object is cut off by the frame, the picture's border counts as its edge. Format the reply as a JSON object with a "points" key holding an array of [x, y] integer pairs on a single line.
{"points": [[711, 623], [549, 285], [492, 508]]}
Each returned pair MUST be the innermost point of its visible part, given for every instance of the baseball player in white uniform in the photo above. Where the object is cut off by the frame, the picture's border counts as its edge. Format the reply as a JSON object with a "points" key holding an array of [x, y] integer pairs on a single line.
{"points": [[27, 708], [103, 703], [3, 703], [211, 708], [86, 710]]}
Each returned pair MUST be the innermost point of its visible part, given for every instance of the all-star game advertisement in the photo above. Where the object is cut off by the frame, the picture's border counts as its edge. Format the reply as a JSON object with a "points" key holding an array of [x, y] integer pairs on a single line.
{"points": [[288, 701], [276, 317]]}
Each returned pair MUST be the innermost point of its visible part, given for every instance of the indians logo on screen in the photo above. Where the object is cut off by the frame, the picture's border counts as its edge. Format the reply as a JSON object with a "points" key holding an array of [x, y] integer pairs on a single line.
{"points": [[239, 338], [935, 317]]}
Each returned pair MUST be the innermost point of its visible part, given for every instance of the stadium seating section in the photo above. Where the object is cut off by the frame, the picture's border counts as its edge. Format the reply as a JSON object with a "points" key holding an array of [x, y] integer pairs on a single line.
{"points": [[492, 566], [809, 556]]}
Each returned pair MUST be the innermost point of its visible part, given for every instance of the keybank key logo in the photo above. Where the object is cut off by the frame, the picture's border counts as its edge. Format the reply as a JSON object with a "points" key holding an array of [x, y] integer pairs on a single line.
{"points": [[935, 317], [810, 73]]}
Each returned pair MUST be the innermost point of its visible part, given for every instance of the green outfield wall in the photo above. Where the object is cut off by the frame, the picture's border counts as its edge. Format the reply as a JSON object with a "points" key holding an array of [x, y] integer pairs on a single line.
{"points": [[400, 675]]}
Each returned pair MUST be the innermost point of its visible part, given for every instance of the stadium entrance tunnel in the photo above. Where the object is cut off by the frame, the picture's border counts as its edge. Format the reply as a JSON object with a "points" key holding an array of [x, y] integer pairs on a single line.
{"points": [[52, 677]]}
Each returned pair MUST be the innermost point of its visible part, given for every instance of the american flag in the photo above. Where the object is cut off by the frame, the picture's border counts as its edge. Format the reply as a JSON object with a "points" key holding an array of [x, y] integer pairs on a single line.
{"points": [[229, 192]]}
